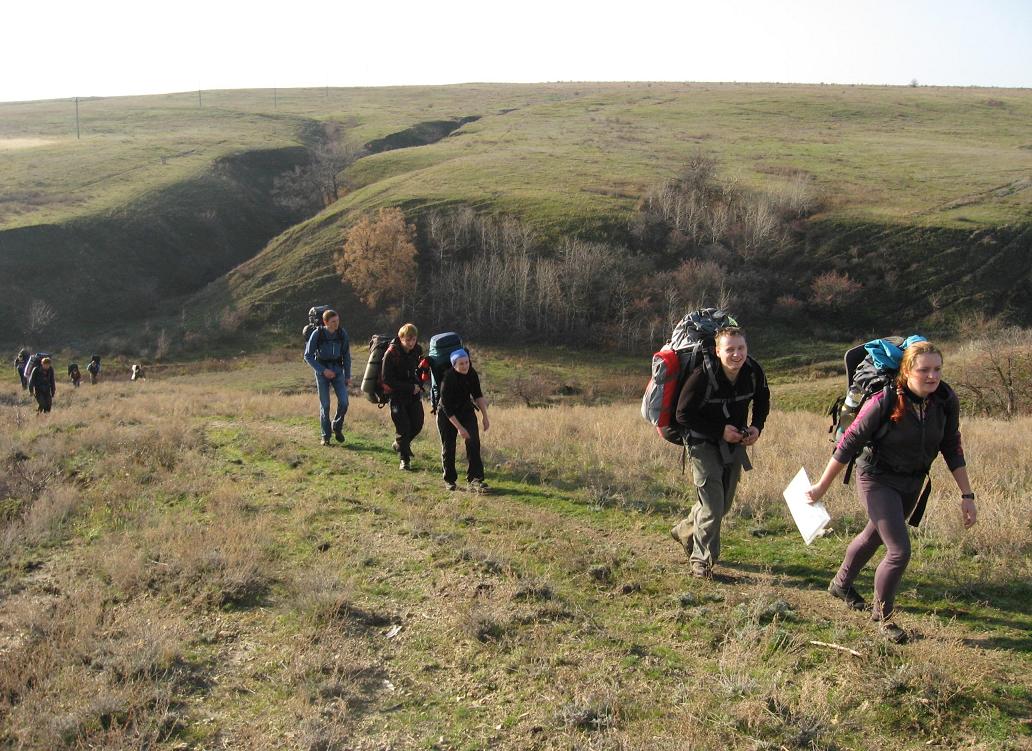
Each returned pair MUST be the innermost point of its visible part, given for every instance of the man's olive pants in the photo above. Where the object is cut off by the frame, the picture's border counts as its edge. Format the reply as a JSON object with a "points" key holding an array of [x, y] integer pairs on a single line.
{"points": [[716, 483]]}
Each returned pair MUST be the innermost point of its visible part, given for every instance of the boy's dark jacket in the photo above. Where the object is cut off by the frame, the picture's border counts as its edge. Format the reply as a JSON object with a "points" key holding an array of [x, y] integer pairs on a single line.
{"points": [[399, 370], [707, 421]]}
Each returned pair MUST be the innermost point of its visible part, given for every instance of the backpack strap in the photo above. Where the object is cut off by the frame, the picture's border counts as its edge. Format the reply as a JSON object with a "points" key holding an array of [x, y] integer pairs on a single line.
{"points": [[884, 424]]}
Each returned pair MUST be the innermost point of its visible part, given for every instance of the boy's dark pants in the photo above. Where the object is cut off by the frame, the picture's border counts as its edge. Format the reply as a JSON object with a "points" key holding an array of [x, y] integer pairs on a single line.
{"points": [[407, 414], [449, 436], [44, 400]]}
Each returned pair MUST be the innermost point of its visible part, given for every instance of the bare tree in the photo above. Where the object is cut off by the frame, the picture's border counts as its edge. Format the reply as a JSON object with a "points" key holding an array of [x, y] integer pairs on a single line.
{"points": [[40, 316], [1000, 376], [318, 184]]}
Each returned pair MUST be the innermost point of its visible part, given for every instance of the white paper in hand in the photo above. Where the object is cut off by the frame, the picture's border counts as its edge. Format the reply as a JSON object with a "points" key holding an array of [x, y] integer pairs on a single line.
{"points": [[811, 518]]}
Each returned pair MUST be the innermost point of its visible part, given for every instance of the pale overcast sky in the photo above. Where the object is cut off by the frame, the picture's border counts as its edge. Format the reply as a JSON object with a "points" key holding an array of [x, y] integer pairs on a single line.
{"points": [[58, 48]]}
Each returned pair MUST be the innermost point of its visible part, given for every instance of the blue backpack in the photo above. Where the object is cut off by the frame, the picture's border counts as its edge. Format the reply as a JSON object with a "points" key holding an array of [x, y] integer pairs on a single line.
{"points": [[441, 348]]}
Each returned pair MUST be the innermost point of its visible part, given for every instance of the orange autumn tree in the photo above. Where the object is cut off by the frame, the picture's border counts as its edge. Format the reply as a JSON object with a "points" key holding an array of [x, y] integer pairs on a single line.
{"points": [[378, 259]]}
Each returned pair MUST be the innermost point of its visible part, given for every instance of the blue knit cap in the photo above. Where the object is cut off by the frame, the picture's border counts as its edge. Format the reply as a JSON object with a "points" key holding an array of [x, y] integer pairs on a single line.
{"points": [[458, 354]]}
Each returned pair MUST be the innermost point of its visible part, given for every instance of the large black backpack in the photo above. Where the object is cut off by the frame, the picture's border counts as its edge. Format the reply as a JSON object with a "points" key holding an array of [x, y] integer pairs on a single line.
{"points": [[32, 362], [864, 379], [692, 346], [314, 320]]}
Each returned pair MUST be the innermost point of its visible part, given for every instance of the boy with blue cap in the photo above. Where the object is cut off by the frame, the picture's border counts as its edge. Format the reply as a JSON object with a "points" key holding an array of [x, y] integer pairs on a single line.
{"points": [[461, 395]]}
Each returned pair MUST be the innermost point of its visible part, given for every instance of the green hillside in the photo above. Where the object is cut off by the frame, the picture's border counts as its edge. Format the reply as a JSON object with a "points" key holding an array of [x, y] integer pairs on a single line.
{"points": [[933, 174]]}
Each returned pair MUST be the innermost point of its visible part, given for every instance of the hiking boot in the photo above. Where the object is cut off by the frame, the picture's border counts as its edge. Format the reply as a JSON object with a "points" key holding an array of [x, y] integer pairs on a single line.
{"points": [[701, 571], [478, 486], [325, 441], [339, 435], [405, 465], [683, 532], [889, 631], [848, 595], [449, 485]]}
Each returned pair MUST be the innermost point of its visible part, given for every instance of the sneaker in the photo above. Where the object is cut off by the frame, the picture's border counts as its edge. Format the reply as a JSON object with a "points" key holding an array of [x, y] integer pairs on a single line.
{"points": [[405, 465], [325, 441], [892, 632], [701, 571], [395, 447], [339, 435], [449, 486], [848, 595], [683, 532], [478, 486]]}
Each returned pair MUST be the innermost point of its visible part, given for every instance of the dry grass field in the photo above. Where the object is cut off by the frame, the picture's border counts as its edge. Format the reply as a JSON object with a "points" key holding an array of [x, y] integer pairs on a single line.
{"points": [[184, 567]]}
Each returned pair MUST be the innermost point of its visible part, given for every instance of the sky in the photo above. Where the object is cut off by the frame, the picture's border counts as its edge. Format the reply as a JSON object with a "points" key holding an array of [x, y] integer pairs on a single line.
{"points": [[61, 49]]}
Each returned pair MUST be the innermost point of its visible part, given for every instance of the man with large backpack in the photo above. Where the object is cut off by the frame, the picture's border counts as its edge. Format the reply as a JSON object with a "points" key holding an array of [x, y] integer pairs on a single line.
{"points": [[328, 352], [713, 417], [94, 369], [43, 384], [403, 387]]}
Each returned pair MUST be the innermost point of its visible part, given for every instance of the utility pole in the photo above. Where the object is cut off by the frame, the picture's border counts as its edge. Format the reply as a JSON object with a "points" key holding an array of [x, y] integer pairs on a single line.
{"points": [[77, 138], [199, 105], [275, 106]]}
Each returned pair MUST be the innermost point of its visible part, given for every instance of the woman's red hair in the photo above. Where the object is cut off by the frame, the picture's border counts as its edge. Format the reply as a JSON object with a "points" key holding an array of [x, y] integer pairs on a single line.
{"points": [[906, 366]]}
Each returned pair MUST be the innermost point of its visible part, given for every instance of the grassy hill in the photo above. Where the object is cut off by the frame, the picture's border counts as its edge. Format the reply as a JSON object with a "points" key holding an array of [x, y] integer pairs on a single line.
{"points": [[182, 566], [908, 175]]}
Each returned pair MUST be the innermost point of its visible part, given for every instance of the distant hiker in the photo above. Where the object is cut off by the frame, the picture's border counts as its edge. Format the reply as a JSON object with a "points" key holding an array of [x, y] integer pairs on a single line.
{"points": [[402, 382], [137, 373], [328, 352], [43, 385], [74, 375], [894, 440], [94, 369], [19, 364], [460, 395], [713, 408]]}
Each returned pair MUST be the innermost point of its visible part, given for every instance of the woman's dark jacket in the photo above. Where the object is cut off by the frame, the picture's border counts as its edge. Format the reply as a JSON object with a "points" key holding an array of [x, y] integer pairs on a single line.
{"points": [[900, 454]]}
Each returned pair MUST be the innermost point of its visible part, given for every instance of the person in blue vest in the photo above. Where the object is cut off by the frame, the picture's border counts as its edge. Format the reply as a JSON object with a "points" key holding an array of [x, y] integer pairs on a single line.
{"points": [[328, 352]]}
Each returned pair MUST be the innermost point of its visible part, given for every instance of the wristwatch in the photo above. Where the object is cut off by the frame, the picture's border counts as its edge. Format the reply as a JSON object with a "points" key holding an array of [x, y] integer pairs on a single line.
{"points": [[967, 496]]}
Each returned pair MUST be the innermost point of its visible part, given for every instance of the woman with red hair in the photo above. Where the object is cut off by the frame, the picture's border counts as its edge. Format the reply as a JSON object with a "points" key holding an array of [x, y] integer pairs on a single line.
{"points": [[894, 440]]}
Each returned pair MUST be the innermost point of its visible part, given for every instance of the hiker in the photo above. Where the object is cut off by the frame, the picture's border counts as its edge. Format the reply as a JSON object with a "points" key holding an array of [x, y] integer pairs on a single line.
{"points": [[402, 383], [19, 364], [137, 373], [894, 440], [43, 385], [713, 408], [460, 394], [328, 352], [74, 375], [94, 369]]}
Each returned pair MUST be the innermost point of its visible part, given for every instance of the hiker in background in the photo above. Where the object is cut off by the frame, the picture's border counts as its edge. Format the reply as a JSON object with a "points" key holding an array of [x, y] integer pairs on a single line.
{"points": [[19, 364], [460, 394], [43, 385], [717, 430], [921, 417], [328, 352], [74, 375], [94, 369], [137, 373], [402, 383]]}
